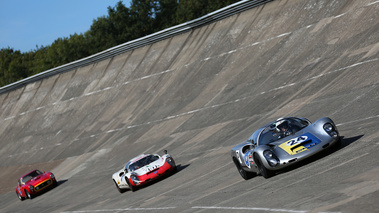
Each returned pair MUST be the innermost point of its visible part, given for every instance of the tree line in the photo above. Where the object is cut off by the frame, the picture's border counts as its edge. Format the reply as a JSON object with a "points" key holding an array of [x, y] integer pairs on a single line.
{"points": [[122, 24]]}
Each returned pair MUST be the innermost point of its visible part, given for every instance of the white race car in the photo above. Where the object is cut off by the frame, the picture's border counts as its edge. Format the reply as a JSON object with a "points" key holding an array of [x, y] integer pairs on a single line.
{"points": [[143, 169]]}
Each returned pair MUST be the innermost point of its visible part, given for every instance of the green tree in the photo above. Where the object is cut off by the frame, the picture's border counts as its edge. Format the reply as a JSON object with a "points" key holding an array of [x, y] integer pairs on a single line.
{"points": [[165, 14], [142, 15], [12, 66], [120, 21], [192, 9]]}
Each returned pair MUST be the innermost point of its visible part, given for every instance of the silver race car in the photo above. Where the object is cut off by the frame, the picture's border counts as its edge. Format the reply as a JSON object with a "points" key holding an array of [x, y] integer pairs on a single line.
{"points": [[282, 143]]}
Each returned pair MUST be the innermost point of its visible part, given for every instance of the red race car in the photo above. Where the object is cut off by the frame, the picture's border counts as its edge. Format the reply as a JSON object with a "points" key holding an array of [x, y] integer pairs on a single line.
{"points": [[33, 183]]}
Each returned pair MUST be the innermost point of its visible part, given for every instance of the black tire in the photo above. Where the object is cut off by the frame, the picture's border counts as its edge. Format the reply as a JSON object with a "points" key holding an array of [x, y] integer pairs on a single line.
{"points": [[338, 143], [19, 196], [28, 195], [118, 188], [244, 174], [175, 170], [132, 188], [266, 173]]}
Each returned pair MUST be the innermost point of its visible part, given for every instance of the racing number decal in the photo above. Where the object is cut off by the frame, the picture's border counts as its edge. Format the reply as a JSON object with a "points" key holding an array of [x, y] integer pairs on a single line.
{"points": [[300, 144], [297, 140]]}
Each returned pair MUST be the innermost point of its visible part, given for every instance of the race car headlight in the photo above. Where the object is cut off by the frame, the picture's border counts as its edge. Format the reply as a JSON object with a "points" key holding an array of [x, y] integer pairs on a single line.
{"points": [[170, 161], [31, 188], [271, 158], [52, 176], [134, 179], [329, 128]]}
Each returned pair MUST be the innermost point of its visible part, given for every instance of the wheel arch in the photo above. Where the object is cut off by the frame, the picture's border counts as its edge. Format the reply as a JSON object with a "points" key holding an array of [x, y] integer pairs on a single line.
{"points": [[258, 153], [236, 161]]}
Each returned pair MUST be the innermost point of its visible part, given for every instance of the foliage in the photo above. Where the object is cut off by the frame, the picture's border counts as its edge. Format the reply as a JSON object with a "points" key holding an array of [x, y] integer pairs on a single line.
{"points": [[122, 24]]}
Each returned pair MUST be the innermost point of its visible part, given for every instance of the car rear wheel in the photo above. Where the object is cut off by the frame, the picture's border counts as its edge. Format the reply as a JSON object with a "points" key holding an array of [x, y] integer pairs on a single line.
{"points": [[244, 174], [262, 169], [118, 188], [19, 196]]}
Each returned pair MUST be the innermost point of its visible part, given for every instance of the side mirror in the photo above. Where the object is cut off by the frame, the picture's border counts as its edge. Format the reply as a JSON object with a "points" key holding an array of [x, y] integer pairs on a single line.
{"points": [[165, 152]]}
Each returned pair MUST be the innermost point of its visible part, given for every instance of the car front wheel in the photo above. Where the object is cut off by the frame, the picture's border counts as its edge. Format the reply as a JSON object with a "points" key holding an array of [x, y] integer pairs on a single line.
{"points": [[28, 194], [132, 188], [262, 169], [118, 188]]}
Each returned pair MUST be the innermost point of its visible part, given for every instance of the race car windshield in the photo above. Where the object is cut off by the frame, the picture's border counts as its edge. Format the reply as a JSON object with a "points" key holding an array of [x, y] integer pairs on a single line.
{"points": [[31, 175], [281, 129], [143, 162]]}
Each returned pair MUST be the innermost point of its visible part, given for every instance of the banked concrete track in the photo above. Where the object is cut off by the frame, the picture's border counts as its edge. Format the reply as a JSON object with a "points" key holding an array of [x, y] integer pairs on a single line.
{"points": [[197, 95]]}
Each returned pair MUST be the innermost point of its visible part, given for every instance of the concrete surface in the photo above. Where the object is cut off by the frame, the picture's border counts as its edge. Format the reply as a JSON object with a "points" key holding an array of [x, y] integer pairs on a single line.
{"points": [[197, 95]]}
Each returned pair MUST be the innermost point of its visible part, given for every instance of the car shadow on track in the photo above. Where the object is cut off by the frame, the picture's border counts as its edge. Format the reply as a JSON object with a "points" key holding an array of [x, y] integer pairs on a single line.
{"points": [[179, 168], [347, 141], [344, 143], [60, 182]]}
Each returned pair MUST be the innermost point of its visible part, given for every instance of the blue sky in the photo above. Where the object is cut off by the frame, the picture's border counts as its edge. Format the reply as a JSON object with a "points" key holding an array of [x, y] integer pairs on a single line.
{"points": [[27, 23]]}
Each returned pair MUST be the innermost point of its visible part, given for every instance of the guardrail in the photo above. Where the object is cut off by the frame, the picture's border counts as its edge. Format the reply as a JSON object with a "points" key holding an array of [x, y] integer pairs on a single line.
{"points": [[137, 43]]}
